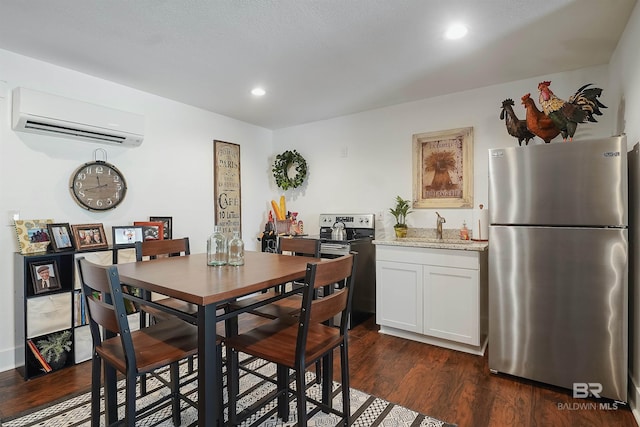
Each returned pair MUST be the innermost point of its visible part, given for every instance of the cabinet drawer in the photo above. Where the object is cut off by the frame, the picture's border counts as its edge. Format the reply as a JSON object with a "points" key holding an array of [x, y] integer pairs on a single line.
{"points": [[427, 256]]}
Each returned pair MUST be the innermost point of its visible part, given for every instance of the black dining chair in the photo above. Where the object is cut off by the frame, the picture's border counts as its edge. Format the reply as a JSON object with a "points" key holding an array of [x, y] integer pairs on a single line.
{"points": [[290, 305], [286, 306], [154, 249], [300, 343], [133, 353]]}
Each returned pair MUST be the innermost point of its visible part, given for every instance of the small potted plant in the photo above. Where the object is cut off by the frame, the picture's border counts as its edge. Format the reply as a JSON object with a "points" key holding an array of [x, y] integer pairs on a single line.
{"points": [[400, 213], [55, 348]]}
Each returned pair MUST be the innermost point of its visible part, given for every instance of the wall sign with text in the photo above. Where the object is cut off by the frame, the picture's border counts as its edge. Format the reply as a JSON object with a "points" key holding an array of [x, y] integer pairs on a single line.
{"points": [[226, 186]]}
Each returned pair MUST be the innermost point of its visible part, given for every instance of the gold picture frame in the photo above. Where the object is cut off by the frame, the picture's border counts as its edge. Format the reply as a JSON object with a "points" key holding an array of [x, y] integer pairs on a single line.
{"points": [[33, 235], [89, 236], [443, 169]]}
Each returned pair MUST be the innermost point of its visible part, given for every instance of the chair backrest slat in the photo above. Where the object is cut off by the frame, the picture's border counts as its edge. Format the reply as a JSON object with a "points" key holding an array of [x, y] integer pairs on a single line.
{"points": [[329, 275], [300, 246], [103, 314], [323, 309], [155, 248]]}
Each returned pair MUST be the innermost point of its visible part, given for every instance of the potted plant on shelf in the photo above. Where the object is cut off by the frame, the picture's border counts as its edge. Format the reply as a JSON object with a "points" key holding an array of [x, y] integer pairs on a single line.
{"points": [[55, 348], [400, 213]]}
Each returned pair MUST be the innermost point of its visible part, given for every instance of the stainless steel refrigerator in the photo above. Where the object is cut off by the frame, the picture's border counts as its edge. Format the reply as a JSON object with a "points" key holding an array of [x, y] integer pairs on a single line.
{"points": [[558, 253]]}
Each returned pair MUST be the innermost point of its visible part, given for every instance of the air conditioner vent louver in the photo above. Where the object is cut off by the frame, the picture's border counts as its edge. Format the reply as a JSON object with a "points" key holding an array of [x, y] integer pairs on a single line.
{"points": [[73, 132], [45, 114]]}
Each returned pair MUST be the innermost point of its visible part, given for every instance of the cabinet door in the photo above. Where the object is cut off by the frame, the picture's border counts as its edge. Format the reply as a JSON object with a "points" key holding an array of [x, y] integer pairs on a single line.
{"points": [[451, 304], [399, 295]]}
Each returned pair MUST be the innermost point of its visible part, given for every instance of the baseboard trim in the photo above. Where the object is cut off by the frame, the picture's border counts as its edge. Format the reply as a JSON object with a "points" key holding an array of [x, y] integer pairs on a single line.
{"points": [[477, 350], [7, 359]]}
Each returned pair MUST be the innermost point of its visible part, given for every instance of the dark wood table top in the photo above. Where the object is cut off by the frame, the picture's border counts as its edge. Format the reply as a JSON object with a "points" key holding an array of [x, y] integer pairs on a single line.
{"points": [[189, 278]]}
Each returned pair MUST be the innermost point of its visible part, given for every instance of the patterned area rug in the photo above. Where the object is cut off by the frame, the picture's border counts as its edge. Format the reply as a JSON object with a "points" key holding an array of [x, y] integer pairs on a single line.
{"points": [[366, 410]]}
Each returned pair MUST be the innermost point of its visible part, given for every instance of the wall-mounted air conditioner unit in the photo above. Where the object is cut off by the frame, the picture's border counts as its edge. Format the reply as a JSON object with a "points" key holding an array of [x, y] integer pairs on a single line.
{"points": [[46, 114]]}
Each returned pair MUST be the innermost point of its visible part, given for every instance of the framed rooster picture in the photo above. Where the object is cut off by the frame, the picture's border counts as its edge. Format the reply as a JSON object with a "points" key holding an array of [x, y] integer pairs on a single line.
{"points": [[443, 169]]}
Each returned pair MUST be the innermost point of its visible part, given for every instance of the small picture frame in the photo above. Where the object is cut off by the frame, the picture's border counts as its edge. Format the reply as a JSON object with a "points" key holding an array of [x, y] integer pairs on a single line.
{"points": [[61, 237], [151, 230], [33, 236], [167, 225], [44, 276], [126, 236], [89, 236]]}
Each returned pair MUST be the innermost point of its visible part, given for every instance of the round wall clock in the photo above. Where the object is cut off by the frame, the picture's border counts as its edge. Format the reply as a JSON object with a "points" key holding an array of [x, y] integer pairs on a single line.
{"points": [[98, 186]]}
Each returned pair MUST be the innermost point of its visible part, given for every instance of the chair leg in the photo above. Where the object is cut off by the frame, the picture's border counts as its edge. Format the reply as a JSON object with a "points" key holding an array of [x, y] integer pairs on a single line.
{"points": [[301, 398], [344, 378], [283, 398], [174, 372], [130, 400], [110, 395], [327, 381], [96, 366], [232, 385]]}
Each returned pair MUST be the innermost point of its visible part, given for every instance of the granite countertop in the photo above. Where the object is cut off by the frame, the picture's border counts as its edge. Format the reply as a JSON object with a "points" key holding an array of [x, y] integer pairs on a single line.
{"points": [[426, 238]]}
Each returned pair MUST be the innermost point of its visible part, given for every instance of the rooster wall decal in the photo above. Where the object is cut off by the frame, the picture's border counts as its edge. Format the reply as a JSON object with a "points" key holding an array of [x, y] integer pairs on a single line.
{"points": [[538, 122], [581, 107], [516, 127]]}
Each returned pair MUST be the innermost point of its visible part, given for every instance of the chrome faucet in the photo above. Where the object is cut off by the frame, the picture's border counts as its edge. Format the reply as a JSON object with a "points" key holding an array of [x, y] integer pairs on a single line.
{"points": [[439, 223]]}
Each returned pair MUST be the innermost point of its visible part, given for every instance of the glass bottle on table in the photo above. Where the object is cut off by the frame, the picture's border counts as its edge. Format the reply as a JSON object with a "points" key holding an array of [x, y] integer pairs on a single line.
{"points": [[236, 250], [217, 248]]}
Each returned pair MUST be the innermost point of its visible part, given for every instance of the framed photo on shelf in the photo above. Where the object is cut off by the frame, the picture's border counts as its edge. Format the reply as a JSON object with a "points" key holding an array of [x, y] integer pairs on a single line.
{"points": [[89, 236], [167, 225], [151, 230], [45, 276], [126, 236], [443, 169], [33, 235], [61, 237]]}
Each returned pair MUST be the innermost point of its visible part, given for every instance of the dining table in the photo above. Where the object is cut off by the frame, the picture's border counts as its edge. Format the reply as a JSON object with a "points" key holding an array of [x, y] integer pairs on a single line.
{"points": [[190, 279]]}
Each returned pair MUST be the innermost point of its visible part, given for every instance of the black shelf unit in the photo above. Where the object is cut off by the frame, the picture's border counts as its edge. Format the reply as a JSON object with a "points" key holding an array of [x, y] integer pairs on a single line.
{"points": [[33, 324], [38, 316]]}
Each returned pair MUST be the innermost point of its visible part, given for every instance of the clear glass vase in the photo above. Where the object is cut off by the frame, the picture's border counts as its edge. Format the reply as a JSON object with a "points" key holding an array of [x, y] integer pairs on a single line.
{"points": [[236, 249], [217, 248]]}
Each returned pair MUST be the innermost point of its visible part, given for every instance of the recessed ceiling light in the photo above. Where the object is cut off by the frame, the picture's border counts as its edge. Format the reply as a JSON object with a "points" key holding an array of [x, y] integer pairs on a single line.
{"points": [[456, 31], [258, 91]]}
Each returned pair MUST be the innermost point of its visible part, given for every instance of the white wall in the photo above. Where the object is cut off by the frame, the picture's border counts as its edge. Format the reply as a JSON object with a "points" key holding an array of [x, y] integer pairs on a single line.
{"points": [[378, 143], [171, 174], [625, 79]]}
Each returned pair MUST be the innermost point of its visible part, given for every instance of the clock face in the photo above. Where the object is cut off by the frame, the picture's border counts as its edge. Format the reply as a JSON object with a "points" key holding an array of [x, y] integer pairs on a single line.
{"points": [[98, 186]]}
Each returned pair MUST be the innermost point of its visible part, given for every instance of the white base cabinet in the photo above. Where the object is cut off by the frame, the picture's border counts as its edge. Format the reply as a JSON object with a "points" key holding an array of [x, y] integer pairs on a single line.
{"points": [[436, 296]]}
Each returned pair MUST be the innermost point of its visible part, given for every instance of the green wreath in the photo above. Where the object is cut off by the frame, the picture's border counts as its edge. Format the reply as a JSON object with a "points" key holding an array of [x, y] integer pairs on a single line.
{"points": [[281, 167]]}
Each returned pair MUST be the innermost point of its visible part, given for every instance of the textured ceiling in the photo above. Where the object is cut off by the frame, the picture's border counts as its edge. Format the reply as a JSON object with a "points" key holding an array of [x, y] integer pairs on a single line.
{"points": [[317, 59]]}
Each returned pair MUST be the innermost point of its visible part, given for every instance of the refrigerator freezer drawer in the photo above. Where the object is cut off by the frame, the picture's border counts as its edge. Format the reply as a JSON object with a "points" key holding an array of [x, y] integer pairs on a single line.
{"points": [[578, 184], [558, 305]]}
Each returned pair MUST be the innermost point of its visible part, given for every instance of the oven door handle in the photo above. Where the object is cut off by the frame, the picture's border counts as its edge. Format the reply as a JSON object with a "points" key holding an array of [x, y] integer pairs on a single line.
{"points": [[334, 250], [335, 246]]}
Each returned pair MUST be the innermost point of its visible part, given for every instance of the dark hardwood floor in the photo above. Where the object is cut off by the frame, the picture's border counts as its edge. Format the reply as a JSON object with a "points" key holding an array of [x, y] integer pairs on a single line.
{"points": [[449, 385]]}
